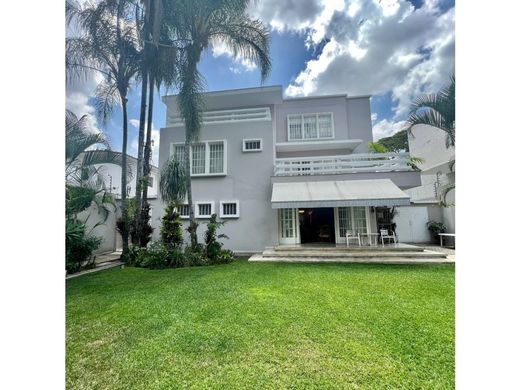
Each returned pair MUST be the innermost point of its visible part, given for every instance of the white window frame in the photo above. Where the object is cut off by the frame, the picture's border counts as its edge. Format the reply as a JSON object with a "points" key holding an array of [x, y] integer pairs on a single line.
{"points": [[197, 215], [221, 213], [342, 239], [206, 158], [254, 140], [302, 129], [179, 211]]}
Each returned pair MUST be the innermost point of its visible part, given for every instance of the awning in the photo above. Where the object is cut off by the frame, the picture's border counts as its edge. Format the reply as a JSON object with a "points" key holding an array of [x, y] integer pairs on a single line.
{"points": [[344, 193]]}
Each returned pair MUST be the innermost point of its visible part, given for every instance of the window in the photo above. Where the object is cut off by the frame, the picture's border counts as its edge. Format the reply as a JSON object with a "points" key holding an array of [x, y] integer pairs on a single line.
{"points": [[184, 211], [178, 153], [216, 157], [208, 158], [198, 158], [204, 209], [252, 145], [150, 181], [352, 218], [229, 209], [310, 126]]}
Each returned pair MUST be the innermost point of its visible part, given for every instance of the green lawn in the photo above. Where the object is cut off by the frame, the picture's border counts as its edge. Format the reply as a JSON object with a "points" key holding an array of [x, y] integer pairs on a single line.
{"points": [[262, 326]]}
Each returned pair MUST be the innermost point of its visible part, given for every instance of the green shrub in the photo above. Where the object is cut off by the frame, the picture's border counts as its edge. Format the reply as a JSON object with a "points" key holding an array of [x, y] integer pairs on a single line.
{"points": [[145, 230], [79, 246], [176, 258], [213, 247], [225, 256], [194, 257], [436, 227], [155, 256], [171, 228]]}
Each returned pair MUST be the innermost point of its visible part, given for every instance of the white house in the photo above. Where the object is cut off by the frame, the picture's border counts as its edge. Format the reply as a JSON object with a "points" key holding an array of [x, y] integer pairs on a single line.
{"points": [[289, 171], [429, 143]]}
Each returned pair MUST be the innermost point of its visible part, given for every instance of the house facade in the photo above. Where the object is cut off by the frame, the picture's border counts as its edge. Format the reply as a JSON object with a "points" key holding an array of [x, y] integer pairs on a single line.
{"points": [[288, 171]]}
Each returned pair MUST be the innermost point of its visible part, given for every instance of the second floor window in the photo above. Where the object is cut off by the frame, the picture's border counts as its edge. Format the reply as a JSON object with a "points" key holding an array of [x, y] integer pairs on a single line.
{"points": [[207, 158], [310, 127]]}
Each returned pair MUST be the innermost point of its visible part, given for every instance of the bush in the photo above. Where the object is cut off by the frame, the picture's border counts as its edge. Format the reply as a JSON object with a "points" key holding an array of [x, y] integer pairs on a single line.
{"points": [[144, 233], [213, 247], [194, 257], [225, 256], [155, 256], [79, 246], [171, 228], [435, 228]]}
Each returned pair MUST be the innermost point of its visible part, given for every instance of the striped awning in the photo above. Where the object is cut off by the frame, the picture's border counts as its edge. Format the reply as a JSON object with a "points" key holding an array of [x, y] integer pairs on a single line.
{"points": [[344, 193]]}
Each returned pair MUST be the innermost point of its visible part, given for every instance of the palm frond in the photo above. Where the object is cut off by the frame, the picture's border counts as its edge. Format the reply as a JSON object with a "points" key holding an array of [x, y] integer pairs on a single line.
{"points": [[247, 38], [172, 183], [106, 97]]}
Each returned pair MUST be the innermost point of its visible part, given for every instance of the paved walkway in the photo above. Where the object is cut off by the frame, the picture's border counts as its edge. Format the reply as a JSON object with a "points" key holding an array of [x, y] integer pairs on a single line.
{"points": [[103, 261]]}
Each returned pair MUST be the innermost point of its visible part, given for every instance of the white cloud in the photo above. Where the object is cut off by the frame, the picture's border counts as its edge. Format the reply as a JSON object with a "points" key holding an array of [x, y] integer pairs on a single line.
{"points": [[373, 47], [77, 96], [386, 128], [134, 123], [241, 64]]}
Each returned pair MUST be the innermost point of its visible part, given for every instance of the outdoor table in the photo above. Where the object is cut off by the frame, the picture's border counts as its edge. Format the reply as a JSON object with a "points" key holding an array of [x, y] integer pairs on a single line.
{"points": [[448, 235]]}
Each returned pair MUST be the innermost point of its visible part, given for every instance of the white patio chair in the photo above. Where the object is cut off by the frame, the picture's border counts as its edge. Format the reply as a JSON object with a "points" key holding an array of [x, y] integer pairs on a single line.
{"points": [[384, 234], [351, 236]]}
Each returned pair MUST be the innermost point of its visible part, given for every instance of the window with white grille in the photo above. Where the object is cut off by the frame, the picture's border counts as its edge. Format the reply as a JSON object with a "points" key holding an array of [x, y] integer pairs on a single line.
{"points": [[198, 159], [184, 211], [207, 157], [178, 153], [304, 127], [204, 209], [216, 157], [229, 209], [252, 145], [352, 218]]}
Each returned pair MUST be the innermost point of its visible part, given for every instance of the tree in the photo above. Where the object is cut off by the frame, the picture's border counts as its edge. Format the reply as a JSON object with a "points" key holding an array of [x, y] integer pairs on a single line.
{"points": [[396, 142], [437, 110], [158, 67], [84, 181], [106, 44], [195, 25]]}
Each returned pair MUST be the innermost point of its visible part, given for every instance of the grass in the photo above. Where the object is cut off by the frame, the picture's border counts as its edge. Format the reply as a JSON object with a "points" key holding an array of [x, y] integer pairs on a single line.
{"points": [[262, 326]]}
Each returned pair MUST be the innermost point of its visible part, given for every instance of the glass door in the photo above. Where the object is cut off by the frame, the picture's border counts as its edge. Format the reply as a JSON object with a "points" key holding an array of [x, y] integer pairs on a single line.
{"points": [[288, 226]]}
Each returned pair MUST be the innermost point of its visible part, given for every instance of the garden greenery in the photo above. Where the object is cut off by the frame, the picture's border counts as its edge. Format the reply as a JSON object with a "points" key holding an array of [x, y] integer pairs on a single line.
{"points": [[169, 251]]}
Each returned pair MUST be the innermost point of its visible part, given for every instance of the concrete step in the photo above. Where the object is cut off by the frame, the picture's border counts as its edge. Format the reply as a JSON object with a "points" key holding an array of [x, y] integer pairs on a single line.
{"points": [[354, 260], [343, 248], [425, 254]]}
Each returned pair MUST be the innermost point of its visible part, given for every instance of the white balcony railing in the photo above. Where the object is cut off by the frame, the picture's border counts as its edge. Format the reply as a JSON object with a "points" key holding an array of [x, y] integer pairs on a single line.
{"points": [[226, 116], [353, 163]]}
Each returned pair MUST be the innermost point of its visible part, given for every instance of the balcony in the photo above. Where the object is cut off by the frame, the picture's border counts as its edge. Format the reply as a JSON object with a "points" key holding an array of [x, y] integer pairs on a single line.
{"points": [[353, 163]]}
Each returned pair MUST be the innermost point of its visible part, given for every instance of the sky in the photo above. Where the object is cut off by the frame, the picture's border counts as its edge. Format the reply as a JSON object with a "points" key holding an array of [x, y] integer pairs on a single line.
{"points": [[394, 50]]}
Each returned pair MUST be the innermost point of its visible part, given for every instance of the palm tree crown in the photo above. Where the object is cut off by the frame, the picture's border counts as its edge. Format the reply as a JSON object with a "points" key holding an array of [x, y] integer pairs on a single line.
{"points": [[437, 110]]}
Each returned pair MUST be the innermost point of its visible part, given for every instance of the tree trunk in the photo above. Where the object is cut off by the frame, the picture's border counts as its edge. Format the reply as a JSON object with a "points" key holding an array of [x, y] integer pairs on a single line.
{"points": [[142, 121], [123, 176], [192, 229], [147, 156]]}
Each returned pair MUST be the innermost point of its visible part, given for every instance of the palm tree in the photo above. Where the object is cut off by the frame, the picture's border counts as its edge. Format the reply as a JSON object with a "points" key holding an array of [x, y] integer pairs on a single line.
{"points": [[437, 110], [195, 25], [158, 67], [85, 183], [173, 182], [106, 44]]}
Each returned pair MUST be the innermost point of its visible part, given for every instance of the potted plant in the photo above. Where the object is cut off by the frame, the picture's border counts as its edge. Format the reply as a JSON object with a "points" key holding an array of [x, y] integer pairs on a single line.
{"points": [[435, 228]]}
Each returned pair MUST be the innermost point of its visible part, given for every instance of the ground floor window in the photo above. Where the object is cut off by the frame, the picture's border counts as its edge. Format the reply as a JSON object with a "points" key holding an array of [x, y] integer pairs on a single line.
{"points": [[353, 219]]}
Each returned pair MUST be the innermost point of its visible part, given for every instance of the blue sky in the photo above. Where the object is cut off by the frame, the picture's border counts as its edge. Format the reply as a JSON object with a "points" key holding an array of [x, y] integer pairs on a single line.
{"points": [[394, 50]]}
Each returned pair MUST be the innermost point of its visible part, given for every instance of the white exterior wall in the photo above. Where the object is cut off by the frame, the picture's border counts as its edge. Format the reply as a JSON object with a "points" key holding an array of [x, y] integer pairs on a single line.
{"points": [[115, 172]]}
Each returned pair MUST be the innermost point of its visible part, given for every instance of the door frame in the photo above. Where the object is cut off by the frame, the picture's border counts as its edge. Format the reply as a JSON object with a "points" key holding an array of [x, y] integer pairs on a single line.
{"points": [[295, 239]]}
